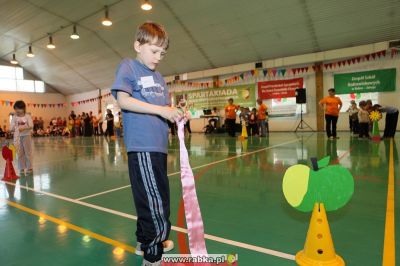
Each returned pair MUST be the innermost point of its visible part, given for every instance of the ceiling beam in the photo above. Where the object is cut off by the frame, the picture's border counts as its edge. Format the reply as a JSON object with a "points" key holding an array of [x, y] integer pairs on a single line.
{"points": [[324, 56], [70, 23], [188, 33], [310, 25]]}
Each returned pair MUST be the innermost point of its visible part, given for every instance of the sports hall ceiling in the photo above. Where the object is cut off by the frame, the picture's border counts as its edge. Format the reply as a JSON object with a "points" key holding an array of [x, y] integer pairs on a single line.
{"points": [[204, 33]]}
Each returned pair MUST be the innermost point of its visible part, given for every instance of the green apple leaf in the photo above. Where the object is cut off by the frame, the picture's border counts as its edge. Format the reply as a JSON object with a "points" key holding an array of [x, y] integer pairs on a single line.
{"points": [[324, 162]]}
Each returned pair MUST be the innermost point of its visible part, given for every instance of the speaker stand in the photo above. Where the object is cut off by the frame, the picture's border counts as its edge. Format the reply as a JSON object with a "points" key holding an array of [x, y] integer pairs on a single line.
{"points": [[302, 124]]}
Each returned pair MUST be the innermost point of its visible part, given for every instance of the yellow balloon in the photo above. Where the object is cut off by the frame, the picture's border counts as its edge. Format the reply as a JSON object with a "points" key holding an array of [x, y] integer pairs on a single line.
{"points": [[12, 148]]}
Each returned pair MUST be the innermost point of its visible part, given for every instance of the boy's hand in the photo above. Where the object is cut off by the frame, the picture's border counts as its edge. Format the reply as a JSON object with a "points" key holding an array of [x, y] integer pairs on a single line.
{"points": [[172, 113]]}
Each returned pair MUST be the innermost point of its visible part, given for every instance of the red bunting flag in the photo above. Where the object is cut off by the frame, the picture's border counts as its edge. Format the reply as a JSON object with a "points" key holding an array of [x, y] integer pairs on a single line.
{"points": [[393, 52]]}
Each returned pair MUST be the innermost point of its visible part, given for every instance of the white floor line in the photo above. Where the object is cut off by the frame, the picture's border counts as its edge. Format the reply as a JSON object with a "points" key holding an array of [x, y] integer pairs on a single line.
{"points": [[175, 228], [196, 167], [104, 192], [245, 154], [225, 152], [114, 189]]}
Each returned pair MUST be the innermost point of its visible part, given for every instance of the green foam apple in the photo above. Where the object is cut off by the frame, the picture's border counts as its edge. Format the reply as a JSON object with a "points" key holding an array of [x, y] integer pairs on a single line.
{"points": [[332, 185]]}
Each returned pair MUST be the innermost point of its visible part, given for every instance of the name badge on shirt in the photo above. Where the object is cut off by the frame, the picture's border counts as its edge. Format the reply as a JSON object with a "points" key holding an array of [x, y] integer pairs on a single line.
{"points": [[147, 82]]}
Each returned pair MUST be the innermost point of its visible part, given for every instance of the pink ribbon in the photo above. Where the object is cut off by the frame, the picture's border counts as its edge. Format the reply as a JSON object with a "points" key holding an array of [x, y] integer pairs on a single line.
{"points": [[194, 221], [17, 140]]}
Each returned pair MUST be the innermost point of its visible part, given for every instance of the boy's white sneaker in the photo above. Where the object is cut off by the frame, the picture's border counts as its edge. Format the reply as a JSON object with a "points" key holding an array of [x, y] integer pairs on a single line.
{"points": [[148, 263], [138, 250], [168, 245]]}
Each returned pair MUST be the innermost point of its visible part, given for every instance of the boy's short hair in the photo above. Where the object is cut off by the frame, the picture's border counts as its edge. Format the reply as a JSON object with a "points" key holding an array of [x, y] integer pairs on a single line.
{"points": [[331, 90], [152, 33], [20, 105], [362, 103], [230, 100]]}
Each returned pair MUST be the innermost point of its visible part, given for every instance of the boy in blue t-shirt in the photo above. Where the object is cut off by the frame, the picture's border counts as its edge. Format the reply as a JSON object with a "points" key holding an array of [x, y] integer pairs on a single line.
{"points": [[142, 94]]}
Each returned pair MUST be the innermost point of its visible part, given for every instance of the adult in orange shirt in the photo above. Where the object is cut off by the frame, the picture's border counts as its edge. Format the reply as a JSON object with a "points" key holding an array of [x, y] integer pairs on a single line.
{"points": [[262, 117], [332, 105], [230, 117]]}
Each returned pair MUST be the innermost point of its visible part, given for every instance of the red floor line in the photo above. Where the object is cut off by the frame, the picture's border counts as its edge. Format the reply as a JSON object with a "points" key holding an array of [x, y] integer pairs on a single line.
{"points": [[342, 156]]}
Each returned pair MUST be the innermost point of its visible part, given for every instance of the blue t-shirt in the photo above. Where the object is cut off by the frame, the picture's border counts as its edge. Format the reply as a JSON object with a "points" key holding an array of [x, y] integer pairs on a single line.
{"points": [[142, 132]]}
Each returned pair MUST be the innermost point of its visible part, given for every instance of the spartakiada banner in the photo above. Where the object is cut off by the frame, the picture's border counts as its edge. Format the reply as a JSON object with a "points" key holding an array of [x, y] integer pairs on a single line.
{"points": [[243, 95]]}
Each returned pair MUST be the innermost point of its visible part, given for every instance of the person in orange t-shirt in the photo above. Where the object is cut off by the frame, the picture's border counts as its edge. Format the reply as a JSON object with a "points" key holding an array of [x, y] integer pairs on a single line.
{"points": [[332, 106], [262, 117], [230, 117]]}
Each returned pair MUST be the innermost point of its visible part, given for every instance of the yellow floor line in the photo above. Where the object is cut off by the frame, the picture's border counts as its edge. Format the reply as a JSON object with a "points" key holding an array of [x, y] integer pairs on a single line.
{"points": [[389, 251], [74, 227]]}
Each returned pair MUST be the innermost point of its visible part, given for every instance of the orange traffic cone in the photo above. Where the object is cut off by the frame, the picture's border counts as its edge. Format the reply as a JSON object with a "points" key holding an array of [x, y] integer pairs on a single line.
{"points": [[319, 249], [244, 133], [9, 172]]}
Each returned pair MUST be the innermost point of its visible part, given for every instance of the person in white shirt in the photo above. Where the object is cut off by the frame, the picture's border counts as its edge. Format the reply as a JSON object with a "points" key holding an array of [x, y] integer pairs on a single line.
{"points": [[22, 125]]}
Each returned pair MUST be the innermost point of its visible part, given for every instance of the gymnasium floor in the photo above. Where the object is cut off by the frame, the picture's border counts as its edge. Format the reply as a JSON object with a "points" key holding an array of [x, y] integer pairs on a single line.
{"points": [[82, 184]]}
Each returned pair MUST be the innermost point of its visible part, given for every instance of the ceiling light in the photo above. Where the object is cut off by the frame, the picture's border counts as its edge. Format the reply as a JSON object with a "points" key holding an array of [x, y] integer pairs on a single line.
{"points": [[106, 20], [51, 45], [146, 5], [30, 53], [74, 34], [14, 60]]}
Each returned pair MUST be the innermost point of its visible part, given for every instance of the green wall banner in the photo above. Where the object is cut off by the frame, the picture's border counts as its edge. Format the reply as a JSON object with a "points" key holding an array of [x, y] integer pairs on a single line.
{"points": [[367, 81]]}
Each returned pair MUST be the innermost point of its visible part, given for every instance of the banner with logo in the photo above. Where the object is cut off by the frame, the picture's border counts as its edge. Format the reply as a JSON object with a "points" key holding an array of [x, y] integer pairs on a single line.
{"points": [[366, 81], [275, 89], [198, 100]]}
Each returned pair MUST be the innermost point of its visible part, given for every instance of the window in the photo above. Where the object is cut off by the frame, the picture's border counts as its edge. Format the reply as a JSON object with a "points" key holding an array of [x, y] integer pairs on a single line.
{"points": [[7, 72], [39, 86], [19, 73], [25, 85], [346, 98], [8, 85], [12, 79], [285, 107]]}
